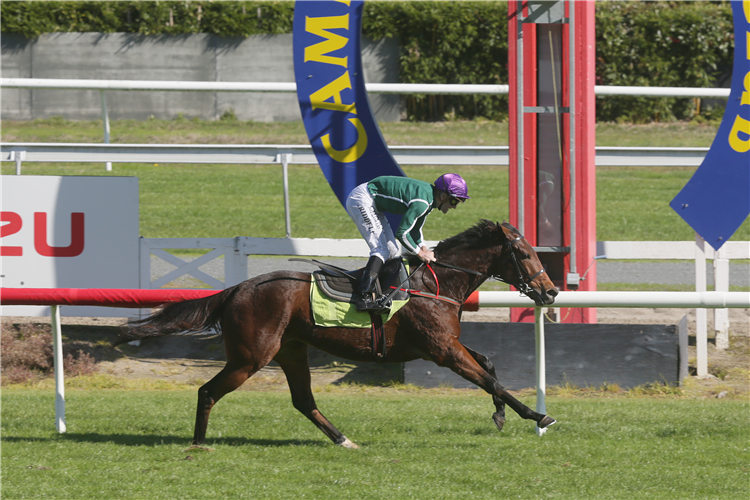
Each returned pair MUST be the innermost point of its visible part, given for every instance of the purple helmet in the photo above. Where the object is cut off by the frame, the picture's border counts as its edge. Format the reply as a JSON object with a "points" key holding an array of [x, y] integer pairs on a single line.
{"points": [[454, 185]]}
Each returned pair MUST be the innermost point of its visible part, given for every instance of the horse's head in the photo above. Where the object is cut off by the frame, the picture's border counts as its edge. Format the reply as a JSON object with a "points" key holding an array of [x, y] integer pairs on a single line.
{"points": [[500, 251], [520, 267]]}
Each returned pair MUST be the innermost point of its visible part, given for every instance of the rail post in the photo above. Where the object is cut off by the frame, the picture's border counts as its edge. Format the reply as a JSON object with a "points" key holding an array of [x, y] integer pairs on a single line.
{"points": [[235, 263], [541, 364], [701, 329], [721, 284], [18, 157], [105, 121], [57, 353], [284, 159]]}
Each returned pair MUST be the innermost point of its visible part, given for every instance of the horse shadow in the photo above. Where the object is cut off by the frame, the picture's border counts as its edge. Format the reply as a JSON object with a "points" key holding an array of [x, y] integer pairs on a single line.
{"points": [[356, 372], [162, 440]]}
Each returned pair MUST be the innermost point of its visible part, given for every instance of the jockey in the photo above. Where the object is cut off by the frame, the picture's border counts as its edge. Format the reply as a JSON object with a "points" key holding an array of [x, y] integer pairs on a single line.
{"points": [[411, 198]]}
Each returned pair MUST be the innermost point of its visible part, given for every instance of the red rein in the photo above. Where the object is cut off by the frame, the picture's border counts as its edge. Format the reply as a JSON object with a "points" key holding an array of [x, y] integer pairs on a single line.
{"points": [[437, 293]]}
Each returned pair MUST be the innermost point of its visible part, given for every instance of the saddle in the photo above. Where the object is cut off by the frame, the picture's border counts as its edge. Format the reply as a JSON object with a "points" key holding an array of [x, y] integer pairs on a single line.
{"points": [[340, 285]]}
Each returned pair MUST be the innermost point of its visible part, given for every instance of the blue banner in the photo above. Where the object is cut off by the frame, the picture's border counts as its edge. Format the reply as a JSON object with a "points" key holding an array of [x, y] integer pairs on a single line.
{"points": [[716, 200], [332, 97]]}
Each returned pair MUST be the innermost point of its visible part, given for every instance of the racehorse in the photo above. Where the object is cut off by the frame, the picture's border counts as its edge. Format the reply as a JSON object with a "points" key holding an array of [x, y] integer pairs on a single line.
{"points": [[269, 318]]}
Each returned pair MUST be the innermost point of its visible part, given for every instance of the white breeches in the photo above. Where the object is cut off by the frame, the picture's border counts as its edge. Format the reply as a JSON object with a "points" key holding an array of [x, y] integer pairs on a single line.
{"points": [[372, 224]]}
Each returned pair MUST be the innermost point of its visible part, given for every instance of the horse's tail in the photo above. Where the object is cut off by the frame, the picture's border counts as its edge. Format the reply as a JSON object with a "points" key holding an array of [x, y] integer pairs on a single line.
{"points": [[188, 316]]}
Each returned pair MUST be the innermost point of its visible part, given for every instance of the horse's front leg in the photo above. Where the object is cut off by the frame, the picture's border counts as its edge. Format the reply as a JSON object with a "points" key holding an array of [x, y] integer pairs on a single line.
{"points": [[456, 357], [499, 416]]}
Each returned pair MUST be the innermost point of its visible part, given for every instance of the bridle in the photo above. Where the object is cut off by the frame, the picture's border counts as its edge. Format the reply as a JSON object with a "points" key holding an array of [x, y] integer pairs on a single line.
{"points": [[523, 279]]}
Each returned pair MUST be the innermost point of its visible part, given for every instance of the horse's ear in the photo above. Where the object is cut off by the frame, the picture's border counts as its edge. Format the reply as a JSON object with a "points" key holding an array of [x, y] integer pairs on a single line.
{"points": [[504, 231], [493, 229]]}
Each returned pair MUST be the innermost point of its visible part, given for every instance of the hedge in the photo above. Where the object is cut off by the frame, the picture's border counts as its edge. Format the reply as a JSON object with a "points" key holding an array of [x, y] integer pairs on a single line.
{"points": [[661, 44], [674, 44]]}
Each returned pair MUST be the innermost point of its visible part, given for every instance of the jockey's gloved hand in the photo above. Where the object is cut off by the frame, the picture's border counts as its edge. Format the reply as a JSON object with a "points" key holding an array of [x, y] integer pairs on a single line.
{"points": [[426, 255]]}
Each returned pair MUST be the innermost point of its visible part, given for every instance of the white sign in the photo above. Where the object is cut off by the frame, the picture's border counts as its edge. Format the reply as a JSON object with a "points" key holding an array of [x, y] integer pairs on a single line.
{"points": [[68, 232]]}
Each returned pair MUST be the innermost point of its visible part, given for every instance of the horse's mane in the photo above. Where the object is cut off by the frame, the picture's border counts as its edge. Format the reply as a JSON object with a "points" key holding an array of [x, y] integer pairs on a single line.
{"points": [[484, 233]]}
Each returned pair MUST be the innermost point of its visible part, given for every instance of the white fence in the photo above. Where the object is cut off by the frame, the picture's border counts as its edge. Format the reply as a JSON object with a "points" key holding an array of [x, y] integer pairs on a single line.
{"points": [[606, 156], [237, 250], [290, 87], [375, 88]]}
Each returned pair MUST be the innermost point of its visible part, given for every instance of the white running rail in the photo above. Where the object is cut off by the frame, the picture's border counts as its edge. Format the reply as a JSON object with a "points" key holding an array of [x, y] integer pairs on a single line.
{"points": [[375, 88]]}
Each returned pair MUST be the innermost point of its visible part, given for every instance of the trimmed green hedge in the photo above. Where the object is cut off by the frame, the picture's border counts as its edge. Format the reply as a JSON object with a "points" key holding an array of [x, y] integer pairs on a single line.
{"points": [[32, 18], [447, 42], [660, 44]]}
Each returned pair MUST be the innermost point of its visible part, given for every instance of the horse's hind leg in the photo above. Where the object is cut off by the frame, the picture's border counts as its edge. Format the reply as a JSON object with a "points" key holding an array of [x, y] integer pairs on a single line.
{"points": [[292, 358], [499, 416], [228, 379]]}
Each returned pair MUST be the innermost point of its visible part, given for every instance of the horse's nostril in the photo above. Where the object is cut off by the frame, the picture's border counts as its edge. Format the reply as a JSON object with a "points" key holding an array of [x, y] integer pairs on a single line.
{"points": [[553, 292]]}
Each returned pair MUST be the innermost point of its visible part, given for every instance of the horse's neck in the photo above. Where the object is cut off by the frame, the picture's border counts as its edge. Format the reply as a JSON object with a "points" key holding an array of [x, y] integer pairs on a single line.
{"points": [[476, 260], [462, 283]]}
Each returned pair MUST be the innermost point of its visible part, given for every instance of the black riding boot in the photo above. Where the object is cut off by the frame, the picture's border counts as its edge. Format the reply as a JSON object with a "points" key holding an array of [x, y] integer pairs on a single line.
{"points": [[366, 301]]}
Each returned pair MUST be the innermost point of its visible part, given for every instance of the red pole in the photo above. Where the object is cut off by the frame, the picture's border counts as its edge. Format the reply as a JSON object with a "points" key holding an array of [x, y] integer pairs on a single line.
{"points": [[112, 297], [524, 174]]}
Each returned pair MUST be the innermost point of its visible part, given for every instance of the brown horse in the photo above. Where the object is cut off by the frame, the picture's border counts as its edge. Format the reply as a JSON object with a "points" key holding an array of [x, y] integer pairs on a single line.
{"points": [[269, 318]]}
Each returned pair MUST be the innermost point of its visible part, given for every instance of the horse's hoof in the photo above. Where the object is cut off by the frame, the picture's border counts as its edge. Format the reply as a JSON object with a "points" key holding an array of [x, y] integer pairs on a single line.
{"points": [[545, 422], [348, 444], [499, 421]]}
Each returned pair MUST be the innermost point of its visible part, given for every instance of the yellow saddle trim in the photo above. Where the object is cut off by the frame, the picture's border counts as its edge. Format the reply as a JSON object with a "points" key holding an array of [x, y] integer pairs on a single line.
{"points": [[331, 313]]}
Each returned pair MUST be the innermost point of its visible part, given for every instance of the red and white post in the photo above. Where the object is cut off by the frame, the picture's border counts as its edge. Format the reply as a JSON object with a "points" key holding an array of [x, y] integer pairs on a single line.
{"points": [[552, 142]]}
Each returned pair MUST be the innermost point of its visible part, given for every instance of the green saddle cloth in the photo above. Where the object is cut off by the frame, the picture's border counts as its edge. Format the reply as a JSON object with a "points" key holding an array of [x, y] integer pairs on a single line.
{"points": [[332, 313]]}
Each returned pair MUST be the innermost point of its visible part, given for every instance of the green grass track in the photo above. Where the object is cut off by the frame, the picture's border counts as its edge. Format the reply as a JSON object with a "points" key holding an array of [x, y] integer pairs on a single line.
{"points": [[430, 444]]}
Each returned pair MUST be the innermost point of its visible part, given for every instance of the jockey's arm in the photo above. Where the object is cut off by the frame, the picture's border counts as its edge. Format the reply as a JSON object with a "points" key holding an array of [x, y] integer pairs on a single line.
{"points": [[409, 231]]}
